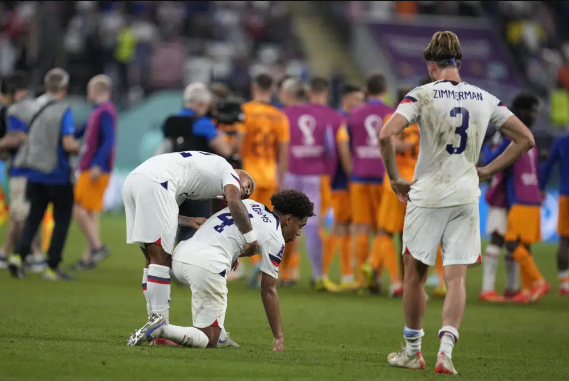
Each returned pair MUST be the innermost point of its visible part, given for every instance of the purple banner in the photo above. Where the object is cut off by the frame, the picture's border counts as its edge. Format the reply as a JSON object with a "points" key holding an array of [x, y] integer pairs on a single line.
{"points": [[485, 61]]}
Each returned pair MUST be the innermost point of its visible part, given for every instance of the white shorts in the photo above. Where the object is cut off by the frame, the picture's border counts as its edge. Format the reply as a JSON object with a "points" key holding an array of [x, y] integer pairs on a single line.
{"points": [[457, 228], [151, 212], [209, 293], [497, 221]]}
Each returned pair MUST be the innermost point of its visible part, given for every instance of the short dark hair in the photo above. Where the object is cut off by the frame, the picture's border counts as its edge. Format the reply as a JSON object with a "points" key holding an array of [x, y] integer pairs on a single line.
{"points": [[16, 81], [282, 80], [263, 81], [376, 84], [349, 88], [402, 92], [524, 101], [318, 85], [290, 201]]}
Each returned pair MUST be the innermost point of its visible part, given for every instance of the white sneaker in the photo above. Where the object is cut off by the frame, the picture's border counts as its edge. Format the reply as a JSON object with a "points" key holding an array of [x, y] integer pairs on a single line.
{"points": [[444, 365], [144, 334], [228, 342], [402, 359], [3, 261]]}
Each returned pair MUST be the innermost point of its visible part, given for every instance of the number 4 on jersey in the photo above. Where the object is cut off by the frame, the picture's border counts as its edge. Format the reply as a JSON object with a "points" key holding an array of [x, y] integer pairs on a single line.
{"points": [[460, 130], [226, 220]]}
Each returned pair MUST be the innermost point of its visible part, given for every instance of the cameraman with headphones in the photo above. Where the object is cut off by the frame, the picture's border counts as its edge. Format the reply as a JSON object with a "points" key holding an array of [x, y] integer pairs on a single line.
{"points": [[193, 130]]}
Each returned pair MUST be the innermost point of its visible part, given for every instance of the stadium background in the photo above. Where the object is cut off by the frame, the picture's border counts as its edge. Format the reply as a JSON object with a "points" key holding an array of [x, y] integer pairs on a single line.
{"points": [[508, 46]]}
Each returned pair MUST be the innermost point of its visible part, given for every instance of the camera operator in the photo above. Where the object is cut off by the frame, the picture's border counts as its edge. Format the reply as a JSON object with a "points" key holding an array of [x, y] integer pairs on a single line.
{"points": [[192, 130], [228, 116]]}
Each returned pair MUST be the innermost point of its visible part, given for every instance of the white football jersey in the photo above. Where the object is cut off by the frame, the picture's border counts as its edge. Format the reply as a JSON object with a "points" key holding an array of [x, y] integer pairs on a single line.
{"points": [[191, 175], [218, 242], [452, 118]]}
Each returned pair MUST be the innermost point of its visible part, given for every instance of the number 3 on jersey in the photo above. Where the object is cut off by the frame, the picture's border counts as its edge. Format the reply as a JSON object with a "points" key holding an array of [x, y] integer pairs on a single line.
{"points": [[460, 130]]}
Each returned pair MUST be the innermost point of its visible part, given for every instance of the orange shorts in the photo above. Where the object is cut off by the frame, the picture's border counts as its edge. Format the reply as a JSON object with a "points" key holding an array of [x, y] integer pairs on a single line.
{"points": [[89, 194], [365, 200], [391, 211], [341, 206], [563, 221], [263, 195], [326, 194], [524, 224]]}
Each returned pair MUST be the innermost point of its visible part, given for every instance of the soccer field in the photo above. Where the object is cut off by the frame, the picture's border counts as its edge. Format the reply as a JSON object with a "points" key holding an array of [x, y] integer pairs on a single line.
{"points": [[78, 331]]}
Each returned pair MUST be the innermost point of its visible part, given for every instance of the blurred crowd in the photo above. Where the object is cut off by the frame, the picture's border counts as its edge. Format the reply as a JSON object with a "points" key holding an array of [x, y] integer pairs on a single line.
{"points": [[132, 41]]}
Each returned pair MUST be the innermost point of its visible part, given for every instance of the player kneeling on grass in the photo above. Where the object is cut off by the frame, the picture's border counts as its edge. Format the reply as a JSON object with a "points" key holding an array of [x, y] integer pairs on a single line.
{"points": [[204, 261]]}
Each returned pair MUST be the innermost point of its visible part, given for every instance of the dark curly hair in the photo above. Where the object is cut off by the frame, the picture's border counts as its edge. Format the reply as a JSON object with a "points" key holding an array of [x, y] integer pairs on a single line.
{"points": [[290, 201]]}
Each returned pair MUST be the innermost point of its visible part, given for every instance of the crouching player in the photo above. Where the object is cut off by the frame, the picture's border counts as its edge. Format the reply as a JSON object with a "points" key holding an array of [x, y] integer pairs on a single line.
{"points": [[203, 262]]}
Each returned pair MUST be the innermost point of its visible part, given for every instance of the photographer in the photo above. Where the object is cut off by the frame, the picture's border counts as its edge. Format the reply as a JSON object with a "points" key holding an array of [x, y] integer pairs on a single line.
{"points": [[192, 130]]}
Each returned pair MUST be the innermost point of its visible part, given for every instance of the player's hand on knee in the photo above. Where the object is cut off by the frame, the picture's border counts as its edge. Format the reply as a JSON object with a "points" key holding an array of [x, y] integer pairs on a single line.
{"points": [[250, 249], [278, 344]]}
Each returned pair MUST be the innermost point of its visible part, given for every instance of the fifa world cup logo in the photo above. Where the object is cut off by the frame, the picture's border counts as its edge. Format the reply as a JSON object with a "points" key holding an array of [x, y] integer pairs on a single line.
{"points": [[307, 124]]}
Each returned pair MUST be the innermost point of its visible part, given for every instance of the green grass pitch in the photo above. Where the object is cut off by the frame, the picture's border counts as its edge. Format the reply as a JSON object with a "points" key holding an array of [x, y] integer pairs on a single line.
{"points": [[78, 331]]}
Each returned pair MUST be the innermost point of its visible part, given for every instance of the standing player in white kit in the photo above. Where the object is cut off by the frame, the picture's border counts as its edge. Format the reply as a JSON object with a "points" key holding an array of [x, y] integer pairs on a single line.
{"points": [[152, 194], [203, 261], [443, 198]]}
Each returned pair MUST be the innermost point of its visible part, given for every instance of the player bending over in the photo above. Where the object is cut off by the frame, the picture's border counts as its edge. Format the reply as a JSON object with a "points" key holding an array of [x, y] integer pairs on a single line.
{"points": [[442, 200], [152, 194], [203, 261]]}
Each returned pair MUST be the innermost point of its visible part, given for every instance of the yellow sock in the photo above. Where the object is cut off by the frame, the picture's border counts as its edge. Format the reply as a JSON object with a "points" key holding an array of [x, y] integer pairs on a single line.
{"points": [[361, 245], [346, 262], [529, 270]]}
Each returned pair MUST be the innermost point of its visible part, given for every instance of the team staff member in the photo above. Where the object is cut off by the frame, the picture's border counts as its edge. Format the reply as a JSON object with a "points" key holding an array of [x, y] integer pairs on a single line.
{"points": [[18, 98], [192, 130], [263, 140], [45, 153], [95, 167]]}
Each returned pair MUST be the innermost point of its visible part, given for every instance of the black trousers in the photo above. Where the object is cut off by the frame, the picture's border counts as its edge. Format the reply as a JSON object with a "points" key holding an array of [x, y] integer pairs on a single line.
{"points": [[192, 208], [39, 196]]}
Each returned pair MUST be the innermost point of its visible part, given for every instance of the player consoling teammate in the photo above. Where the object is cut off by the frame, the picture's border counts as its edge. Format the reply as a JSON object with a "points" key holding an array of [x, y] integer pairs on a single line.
{"points": [[204, 261], [452, 116]]}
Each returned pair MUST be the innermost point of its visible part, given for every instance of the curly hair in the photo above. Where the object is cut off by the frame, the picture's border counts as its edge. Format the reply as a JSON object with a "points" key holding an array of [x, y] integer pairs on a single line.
{"points": [[290, 201]]}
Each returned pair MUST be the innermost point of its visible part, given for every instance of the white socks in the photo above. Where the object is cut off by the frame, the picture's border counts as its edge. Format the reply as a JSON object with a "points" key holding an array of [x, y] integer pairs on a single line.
{"points": [[158, 289], [449, 337], [413, 340], [512, 274], [145, 291], [490, 266], [186, 336]]}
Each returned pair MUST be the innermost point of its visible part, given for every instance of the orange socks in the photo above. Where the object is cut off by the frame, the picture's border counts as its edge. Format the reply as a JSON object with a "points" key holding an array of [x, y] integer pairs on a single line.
{"points": [[384, 253], [439, 265], [346, 258], [529, 271], [328, 251], [361, 249]]}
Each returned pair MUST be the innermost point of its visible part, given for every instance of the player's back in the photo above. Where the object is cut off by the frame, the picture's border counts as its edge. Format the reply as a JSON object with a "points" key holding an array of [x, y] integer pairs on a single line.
{"points": [[196, 174], [264, 127], [364, 125], [452, 118], [218, 242], [312, 131]]}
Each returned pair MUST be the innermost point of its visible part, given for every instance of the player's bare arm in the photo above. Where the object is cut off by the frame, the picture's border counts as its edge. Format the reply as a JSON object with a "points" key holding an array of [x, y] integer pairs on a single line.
{"points": [[271, 303], [191, 222], [522, 141], [241, 218], [282, 162], [12, 139], [345, 157], [394, 127]]}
